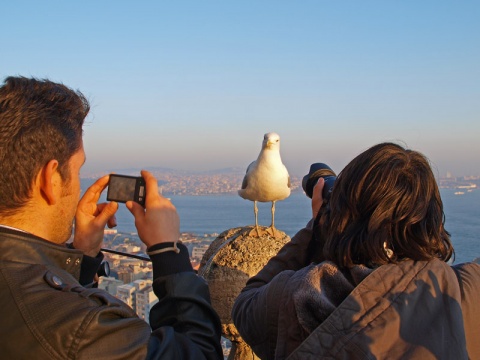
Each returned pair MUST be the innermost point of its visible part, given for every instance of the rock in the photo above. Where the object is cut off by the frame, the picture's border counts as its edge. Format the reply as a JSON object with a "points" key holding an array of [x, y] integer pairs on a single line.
{"points": [[232, 258]]}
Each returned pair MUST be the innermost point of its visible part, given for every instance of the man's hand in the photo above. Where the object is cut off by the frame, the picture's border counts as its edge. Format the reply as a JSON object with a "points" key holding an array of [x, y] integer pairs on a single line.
{"points": [[91, 218], [158, 222], [317, 199]]}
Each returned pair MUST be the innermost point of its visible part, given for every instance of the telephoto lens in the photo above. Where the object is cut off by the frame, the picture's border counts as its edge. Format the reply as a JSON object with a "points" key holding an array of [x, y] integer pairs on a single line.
{"points": [[317, 171]]}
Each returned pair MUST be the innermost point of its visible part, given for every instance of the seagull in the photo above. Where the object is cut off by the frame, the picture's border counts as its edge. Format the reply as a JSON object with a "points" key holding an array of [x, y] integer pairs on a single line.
{"points": [[266, 178]]}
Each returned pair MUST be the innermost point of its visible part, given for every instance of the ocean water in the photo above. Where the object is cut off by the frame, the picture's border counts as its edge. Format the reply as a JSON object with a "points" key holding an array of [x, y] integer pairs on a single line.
{"points": [[214, 214], [462, 221]]}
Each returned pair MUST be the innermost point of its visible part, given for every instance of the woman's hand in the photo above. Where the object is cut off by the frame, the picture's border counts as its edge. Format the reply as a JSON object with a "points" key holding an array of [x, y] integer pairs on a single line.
{"points": [[317, 199]]}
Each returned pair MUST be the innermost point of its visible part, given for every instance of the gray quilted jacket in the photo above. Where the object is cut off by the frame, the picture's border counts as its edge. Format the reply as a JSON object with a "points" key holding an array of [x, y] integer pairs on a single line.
{"points": [[413, 310]]}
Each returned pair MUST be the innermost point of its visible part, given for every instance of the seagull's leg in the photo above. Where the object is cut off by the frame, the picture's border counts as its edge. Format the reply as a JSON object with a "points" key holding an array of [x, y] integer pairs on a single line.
{"points": [[273, 218], [255, 210]]}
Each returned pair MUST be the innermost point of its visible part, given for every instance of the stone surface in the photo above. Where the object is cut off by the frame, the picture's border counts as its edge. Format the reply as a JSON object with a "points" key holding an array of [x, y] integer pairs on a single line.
{"points": [[233, 257]]}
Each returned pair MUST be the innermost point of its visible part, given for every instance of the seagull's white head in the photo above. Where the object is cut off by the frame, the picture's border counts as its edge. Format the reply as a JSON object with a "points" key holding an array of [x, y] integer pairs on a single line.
{"points": [[271, 141]]}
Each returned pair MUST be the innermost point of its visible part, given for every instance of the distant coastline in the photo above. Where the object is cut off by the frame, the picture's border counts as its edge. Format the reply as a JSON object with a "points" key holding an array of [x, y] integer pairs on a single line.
{"points": [[182, 182], [465, 183], [228, 181]]}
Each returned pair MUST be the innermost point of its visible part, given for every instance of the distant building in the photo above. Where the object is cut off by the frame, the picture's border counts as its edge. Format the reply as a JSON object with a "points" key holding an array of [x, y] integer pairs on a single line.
{"points": [[199, 251], [128, 248], [141, 284], [145, 299], [109, 284], [139, 296], [125, 275], [126, 293]]}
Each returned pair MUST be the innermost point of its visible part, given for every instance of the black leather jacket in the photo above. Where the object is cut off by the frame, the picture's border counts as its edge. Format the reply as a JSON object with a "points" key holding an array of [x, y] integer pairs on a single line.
{"points": [[46, 314]]}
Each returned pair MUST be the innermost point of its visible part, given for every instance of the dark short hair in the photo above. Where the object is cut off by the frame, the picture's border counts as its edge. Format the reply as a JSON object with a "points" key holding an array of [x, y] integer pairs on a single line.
{"points": [[386, 194], [40, 120]]}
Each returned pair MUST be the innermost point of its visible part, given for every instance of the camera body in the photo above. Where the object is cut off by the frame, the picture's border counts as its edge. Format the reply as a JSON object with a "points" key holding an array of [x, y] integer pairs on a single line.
{"points": [[123, 188], [317, 171]]}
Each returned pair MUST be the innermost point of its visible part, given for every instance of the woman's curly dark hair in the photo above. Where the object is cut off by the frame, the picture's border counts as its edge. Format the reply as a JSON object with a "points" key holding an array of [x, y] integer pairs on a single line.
{"points": [[387, 195]]}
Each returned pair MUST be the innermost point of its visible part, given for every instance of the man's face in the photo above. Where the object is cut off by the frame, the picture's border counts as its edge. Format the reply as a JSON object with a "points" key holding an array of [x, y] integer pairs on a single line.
{"points": [[70, 196]]}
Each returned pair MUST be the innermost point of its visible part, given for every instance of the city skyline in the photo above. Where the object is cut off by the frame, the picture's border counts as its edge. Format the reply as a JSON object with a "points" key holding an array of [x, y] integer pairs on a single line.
{"points": [[229, 182], [192, 85]]}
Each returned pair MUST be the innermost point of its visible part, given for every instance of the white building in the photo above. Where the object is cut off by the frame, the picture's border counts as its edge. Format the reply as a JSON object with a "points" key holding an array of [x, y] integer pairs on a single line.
{"points": [[126, 293], [139, 296], [141, 284], [199, 251], [109, 284], [145, 300]]}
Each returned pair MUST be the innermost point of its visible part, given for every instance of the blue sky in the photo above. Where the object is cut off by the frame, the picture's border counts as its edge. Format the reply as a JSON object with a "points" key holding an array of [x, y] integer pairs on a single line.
{"points": [[196, 84]]}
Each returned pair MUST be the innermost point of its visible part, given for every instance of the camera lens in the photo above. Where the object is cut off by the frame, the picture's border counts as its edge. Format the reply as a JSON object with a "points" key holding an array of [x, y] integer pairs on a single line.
{"points": [[317, 171]]}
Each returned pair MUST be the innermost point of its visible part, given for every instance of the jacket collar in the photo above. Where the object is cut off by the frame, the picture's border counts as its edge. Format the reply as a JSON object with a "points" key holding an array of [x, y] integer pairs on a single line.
{"points": [[18, 246]]}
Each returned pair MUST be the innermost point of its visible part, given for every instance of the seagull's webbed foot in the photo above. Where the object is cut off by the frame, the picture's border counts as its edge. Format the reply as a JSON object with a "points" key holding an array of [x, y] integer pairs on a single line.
{"points": [[271, 231], [258, 231], [274, 232]]}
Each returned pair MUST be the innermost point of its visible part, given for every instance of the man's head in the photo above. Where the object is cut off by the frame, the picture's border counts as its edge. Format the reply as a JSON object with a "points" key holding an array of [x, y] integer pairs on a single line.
{"points": [[40, 121], [386, 196]]}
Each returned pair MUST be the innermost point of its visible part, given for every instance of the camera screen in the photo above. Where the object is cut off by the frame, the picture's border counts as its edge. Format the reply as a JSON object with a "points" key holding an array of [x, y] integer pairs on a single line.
{"points": [[121, 188]]}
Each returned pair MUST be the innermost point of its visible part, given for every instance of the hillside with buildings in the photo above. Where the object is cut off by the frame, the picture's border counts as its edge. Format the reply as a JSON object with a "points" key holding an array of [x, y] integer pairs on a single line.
{"points": [[229, 181], [180, 182]]}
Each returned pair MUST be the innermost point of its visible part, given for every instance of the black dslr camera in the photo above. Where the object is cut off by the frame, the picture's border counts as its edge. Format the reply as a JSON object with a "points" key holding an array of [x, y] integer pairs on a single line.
{"points": [[317, 171]]}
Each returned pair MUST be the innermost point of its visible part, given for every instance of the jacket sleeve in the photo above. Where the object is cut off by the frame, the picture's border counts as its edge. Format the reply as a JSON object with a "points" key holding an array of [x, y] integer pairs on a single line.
{"points": [[184, 324], [255, 311]]}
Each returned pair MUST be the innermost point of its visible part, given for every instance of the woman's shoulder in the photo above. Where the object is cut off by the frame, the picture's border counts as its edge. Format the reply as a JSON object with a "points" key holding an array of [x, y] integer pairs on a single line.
{"points": [[469, 276]]}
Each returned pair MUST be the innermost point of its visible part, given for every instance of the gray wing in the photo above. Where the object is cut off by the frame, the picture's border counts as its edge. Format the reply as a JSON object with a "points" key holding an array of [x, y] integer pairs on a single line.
{"points": [[245, 178]]}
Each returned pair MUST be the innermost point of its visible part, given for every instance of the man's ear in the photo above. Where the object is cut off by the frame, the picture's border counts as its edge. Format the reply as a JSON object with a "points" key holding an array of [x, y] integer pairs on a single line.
{"points": [[48, 182]]}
